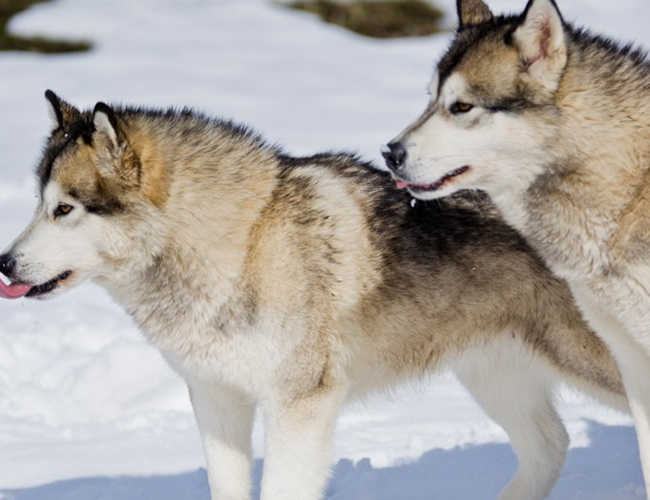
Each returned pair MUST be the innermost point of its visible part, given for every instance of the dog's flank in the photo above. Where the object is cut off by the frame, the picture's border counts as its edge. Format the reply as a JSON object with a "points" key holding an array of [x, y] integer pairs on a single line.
{"points": [[554, 126], [299, 283]]}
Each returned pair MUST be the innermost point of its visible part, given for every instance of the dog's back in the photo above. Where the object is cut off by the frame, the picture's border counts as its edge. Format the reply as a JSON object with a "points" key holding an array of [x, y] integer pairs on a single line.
{"points": [[432, 279]]}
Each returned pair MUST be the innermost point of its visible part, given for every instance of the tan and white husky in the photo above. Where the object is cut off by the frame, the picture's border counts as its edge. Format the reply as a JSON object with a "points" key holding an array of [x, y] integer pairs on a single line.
{"points": [[554, 123], [295, 284]]}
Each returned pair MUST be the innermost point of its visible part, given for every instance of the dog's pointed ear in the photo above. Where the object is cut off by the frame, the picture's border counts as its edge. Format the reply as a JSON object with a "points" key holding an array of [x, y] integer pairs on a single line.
{"points": [[116, 159], [541, 40], [106, 129], [472, 13], [60, 111]]}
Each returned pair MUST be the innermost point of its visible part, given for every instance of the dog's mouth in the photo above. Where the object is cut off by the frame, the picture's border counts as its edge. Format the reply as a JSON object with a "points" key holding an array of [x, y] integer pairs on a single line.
{"points": [[48, 286], [424, 188], [18, 290]]}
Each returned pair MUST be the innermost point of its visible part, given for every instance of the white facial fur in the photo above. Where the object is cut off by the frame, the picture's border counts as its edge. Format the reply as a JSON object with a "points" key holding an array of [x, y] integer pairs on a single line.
{"points": [[497, 151], [53, 245], [497, 147]]}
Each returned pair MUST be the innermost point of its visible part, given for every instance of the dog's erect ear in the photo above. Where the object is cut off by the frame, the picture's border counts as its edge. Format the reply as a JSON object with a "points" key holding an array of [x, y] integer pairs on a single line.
{"points": [[61, 112], [116, 159], [541, 41], [106, 128], [472, 13]]}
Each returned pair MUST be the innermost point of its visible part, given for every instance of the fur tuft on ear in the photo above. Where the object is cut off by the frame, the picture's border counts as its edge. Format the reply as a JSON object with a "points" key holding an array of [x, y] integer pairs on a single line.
{"points": [[542, 44], [116, 159], [472, 13], [106, 128], [60, 111]]}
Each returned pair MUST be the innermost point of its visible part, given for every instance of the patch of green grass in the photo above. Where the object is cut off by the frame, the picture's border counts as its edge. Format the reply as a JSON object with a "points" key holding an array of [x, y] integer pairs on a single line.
{"points": [[8, 8], [377, 19]]}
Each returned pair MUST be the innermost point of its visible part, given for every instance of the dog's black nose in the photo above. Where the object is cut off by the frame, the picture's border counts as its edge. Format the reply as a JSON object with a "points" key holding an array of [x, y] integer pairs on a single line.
{"points": [[395, 155], [7, 264]]}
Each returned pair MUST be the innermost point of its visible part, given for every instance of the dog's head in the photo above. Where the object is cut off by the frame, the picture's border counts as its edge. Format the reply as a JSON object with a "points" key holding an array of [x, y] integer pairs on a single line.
{"points": [[94, 196], [492, 99]]}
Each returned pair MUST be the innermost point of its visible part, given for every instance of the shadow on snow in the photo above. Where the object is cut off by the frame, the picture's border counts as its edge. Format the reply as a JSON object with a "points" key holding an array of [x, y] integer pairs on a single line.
{"points": [[608, 469]]}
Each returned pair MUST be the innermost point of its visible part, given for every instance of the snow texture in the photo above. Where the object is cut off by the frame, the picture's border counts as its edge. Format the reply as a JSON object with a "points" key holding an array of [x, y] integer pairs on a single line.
{"points": [[88, 410]]}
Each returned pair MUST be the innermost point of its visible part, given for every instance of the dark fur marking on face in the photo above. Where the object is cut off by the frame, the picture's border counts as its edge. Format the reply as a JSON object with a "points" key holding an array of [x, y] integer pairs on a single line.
{"points": [[59, 141], [508, 105], [99, 203], [470, 36], [107, 208]]}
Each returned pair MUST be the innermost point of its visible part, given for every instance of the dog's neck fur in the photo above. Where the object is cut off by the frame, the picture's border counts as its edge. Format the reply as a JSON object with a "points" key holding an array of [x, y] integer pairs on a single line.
{"points": [[605, 169], [213, 261]]}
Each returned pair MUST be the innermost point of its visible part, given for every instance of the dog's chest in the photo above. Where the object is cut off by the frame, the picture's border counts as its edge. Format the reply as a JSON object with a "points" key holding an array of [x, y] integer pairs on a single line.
{"points": [[573, 242], [245, 359], [204, 341]]}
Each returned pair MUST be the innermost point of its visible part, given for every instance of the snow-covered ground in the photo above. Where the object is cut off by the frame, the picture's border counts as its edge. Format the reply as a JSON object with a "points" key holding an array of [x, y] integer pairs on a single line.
{"points": [[88, 409]]}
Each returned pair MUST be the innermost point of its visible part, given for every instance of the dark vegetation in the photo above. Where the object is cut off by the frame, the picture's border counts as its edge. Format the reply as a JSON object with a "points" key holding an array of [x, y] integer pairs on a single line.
{"points": [[377, 19], [9, 8]]}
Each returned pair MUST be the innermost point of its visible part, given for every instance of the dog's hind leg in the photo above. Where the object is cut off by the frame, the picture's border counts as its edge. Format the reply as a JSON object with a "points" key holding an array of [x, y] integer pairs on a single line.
{"points": [[225, 421], [515, 391]]}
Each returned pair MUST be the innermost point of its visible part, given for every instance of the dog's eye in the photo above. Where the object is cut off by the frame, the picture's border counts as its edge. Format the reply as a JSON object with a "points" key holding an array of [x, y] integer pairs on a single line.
{"points": [[460, 107], [62, 209]]}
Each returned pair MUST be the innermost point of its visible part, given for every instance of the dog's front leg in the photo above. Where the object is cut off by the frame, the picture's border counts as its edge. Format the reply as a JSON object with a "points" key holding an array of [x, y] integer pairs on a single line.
{"points": [[225, 421], [298, 438]]}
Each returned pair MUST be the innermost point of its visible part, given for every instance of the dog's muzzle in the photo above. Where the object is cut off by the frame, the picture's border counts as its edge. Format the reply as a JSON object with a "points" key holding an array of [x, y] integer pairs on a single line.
{"points": [[11, 291]]}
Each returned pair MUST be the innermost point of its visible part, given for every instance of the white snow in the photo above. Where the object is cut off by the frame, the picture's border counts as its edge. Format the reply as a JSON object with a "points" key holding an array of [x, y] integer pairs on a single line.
{"points": [[88, 409]]}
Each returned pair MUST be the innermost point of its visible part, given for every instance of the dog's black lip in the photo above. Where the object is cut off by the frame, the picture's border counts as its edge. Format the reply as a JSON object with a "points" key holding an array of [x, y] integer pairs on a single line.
{"points": [[416, 188], [48, 286]]}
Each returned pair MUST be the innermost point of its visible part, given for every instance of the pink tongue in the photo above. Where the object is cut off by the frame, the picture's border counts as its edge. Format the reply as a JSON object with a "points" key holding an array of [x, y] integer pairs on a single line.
{"points": [[401, 184], [13, 291]]}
